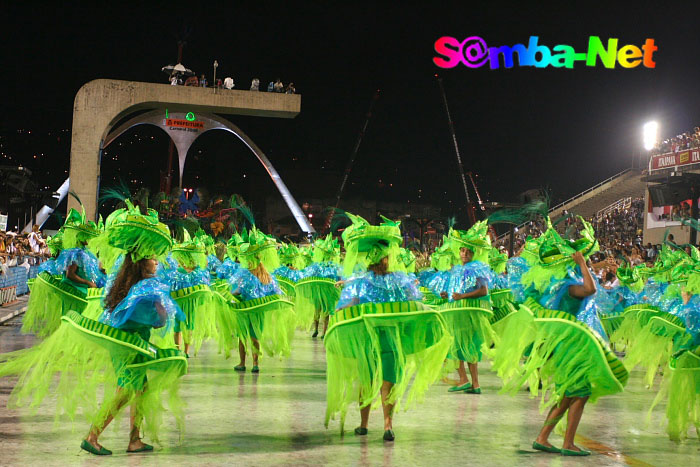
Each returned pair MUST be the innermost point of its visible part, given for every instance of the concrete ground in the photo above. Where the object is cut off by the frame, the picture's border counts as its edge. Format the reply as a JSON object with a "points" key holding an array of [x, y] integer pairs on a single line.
{"points": [[276, 418]]}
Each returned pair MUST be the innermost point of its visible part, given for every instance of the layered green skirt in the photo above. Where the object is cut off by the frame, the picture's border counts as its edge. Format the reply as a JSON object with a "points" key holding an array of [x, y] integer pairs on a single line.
{"points": [[315, 298], [199, 306], [681, 388], [562, 354], [404, 343], [651, 335], [269, 320], [84, 359], [50, 298], [467, 321]]}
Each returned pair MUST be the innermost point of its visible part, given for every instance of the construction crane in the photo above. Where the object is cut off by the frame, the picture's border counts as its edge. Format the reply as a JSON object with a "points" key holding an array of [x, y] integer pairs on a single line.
{"points": [[351, 161], [471, 209]]}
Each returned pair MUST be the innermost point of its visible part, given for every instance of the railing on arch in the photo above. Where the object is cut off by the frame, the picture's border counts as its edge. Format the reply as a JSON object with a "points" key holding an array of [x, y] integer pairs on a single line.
{"points": [[573, 198], [623, 203]]}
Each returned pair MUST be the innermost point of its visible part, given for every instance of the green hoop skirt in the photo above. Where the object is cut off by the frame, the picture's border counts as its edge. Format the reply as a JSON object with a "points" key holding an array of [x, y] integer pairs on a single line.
{"points": [[85, 358], [561, 353], [401, 342], [315, 298], [468, 322], [50, 298]]}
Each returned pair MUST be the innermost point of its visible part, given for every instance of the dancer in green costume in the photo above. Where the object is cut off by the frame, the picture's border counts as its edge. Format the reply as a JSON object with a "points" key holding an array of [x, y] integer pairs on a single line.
{"points": [[382, 338]]}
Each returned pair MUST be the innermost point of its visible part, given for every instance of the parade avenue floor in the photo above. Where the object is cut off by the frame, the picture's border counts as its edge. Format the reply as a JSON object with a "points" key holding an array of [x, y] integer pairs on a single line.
{"points": [[276, 418]]}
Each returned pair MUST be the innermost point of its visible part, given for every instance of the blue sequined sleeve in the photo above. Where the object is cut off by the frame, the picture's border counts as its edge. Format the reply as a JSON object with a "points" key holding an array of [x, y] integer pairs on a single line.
{"points": [[288, 273], [326, 269], [227, 268]]}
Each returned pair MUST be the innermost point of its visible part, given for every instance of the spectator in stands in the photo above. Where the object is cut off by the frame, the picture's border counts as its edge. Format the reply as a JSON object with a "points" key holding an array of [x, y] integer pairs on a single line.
{"points": [[173, 79], [255, 85], [36, 242]]}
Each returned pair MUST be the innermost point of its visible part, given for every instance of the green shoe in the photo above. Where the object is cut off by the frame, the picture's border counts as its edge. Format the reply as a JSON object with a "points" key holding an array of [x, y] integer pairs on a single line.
{"points": [[145, 448], [460, 388], [359, 431], [85, 446], [256, 369], [389, 435], [239, 368], [542, 447], [472, 390], [569, 452]]}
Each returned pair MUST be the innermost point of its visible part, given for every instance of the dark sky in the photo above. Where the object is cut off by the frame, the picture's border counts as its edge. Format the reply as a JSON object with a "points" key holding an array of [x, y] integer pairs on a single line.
{"points": [[517, 129]]}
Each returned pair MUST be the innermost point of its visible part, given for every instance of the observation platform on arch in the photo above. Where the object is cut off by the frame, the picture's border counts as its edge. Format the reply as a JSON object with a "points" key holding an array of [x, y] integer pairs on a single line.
{"points": [[101, 104]]}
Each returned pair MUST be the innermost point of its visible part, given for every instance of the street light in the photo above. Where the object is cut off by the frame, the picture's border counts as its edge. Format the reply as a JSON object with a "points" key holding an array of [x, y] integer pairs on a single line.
{"points": [[650, 131], [216, 65]]}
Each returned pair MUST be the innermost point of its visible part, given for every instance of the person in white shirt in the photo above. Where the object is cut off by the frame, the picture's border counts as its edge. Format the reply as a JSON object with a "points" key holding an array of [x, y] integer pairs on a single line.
{"points": [[228, 83]]}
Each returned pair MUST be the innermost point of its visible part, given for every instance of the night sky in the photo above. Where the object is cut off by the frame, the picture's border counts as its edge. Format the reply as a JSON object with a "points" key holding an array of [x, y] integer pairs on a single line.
{"points": [[517, 129]]}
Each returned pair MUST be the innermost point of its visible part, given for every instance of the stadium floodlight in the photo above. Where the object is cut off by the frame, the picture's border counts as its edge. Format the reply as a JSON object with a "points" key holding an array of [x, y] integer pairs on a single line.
{"points": [[650, 131]]}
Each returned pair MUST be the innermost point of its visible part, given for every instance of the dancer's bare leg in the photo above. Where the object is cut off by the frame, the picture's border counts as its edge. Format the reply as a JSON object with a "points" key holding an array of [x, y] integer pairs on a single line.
{"points": [[555, 414], [574, 417], [388, 408], [474, 372]]}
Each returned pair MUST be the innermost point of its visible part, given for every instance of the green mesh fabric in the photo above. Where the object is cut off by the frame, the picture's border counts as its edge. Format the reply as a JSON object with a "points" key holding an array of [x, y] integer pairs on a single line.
{"points": [[93, 309], [226, 319], [314, 296], [85, 358], [50, 299], [564, 356], [501, 301], [467, 321], [197, 303], [402, 342]]}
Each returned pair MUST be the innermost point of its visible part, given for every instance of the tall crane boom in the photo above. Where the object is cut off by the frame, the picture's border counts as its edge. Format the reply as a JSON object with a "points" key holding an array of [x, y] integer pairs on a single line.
{"points": [[470, 206], [351, 161]]}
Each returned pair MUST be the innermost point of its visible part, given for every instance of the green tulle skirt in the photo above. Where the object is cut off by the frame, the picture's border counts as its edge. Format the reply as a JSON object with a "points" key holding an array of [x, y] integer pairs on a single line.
{"points": [[561, 353], [404, 343], [651, 336], [316, 298], [467, 321], [200, 308], [269, 320], [84, 359], [681, 389], [50, 298]]}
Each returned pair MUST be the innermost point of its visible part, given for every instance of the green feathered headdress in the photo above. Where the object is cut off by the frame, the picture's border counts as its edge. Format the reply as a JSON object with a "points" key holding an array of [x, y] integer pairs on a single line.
{"points": [[442, 258], [258, 248], [631, 277], [129, 231], [234, 242], [55, 243], [290, 255], [191, 253], [77, 230], [497, 261], [476, 239], [367, 244], [326, 249], [554, 260], [407, 261], [207, 241]]}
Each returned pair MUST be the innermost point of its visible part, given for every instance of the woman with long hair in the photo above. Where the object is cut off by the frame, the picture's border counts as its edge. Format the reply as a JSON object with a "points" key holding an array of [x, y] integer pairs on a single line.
{"points": [[128, 276], [264, 315]]}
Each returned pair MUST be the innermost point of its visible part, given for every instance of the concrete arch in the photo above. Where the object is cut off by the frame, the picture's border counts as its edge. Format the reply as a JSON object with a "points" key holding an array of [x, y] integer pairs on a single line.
{"points": [[210, 122], [100, 104]]}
